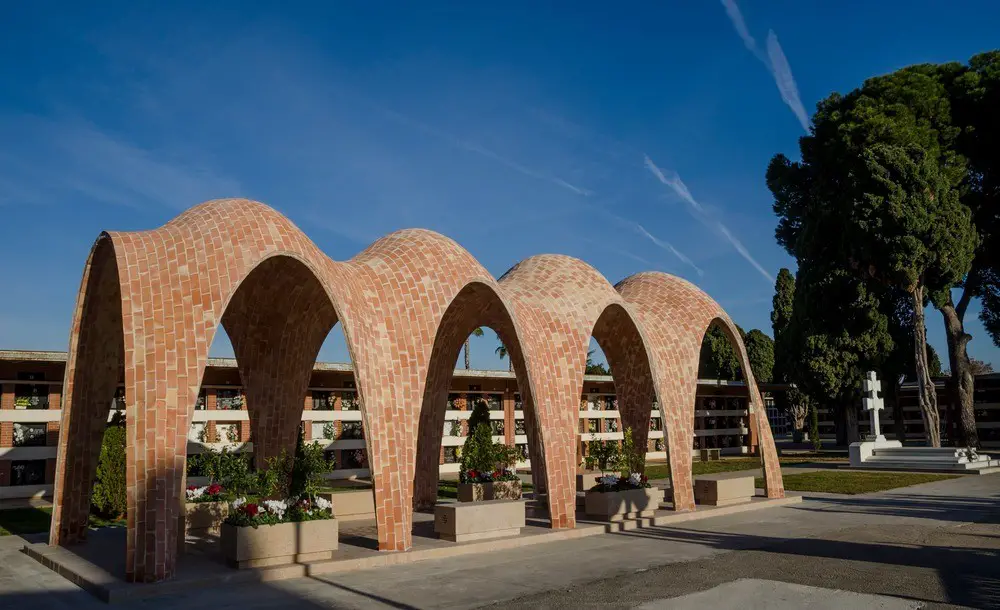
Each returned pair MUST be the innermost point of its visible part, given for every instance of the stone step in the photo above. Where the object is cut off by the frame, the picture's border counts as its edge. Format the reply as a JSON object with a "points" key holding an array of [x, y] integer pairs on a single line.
{"points": [[891, 464]]}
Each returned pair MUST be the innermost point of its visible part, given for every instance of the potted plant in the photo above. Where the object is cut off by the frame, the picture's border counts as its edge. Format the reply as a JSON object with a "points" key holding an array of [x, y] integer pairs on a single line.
{"points": [[292, 524], [229, 475], [487, 468], [624, 493]]}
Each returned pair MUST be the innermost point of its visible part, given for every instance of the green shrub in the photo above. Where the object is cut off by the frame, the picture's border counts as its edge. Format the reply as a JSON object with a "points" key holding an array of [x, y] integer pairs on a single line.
{"points": [[109, 496], [298, 476], [480, 415]]}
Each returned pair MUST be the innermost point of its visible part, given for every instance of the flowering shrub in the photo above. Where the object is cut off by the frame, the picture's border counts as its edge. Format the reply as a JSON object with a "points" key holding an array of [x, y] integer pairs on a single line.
{"points": [[628, 460], [614, 482], [484, 461], [243, 513], [206, 493], [476, 476]]}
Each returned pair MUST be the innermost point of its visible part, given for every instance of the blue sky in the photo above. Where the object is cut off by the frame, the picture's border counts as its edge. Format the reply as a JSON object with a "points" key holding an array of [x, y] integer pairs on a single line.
{"points": [[634, 136]]}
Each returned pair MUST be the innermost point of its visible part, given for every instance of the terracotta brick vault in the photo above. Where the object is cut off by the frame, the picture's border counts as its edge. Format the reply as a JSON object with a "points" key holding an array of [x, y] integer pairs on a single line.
{"points": [[150, 303]]}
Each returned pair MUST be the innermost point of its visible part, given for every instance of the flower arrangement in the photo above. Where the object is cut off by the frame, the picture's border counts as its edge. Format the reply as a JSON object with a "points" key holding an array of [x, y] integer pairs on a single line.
{"points": [[244, 513], [484, 461], [206, 493], [628, 461], [289, 486]]}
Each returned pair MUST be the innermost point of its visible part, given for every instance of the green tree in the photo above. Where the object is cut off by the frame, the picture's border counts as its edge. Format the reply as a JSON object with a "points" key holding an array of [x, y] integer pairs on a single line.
{"points": [[760, 353], [595, 368], [109, 496], [478, 332], [502, 352], [792, 401], [838, 331], [480, 414], [877, 192], [718, 359], [975, 96]]}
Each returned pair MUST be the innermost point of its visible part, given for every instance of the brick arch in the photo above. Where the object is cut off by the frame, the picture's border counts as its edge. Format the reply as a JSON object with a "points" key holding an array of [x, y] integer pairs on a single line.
{"points": [[96, 357], [675, 315], [624, 346], [277, 321], [478, 304], [211, 265], [558, 302]]}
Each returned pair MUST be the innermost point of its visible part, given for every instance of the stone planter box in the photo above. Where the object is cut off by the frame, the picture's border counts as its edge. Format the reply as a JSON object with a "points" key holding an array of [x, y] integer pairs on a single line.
{"points": [[483, 492], [352, 505], [204, 517], [465, 521], [723, 491], [587, 479], [272, 545], [619, 505]]}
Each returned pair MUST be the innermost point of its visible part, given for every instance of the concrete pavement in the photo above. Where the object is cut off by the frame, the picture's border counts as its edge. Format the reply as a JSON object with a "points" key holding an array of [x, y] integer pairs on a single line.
{"points": [[930, 544]]}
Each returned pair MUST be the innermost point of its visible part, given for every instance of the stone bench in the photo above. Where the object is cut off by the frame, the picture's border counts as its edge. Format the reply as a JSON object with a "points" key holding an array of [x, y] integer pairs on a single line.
{"points": [[351, 505], [465, 521], [723, 491], [710, 455]]}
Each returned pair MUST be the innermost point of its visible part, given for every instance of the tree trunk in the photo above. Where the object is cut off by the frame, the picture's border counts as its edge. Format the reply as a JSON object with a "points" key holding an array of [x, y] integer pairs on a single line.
{"points": [[851, 421], [510, 364], [926, 393], [466, 350], [962, 381], [891, 395]]}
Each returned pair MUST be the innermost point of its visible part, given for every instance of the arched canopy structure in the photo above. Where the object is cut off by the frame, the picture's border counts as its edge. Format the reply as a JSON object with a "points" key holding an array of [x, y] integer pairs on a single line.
{"points": [[150, 303], [675, 315]]}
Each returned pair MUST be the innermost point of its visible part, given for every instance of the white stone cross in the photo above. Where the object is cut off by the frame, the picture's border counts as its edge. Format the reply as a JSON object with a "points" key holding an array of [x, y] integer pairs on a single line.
{"points": [[872, 402]]}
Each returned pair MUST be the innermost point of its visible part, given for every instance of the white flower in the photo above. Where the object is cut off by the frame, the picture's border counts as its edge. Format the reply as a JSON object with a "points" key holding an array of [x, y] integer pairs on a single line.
{"points": [[197, 492], [635, 479], [238, 502], [275, 507], [323, 504], [609, 480]]}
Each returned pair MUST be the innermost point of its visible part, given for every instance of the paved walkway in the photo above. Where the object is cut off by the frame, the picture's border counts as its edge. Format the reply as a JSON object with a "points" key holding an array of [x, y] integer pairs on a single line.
{"points": [[930, 544]]}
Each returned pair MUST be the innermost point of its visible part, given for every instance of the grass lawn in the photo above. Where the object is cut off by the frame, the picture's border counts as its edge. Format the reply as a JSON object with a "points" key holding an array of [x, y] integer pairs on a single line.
{"points": [[662, 471], [855, 482], [15, 521]]}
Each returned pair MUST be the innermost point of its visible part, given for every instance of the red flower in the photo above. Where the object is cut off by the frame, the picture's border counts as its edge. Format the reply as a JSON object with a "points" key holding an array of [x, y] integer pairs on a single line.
{"points": [[250, 509], [192, 487], [214, 489], [644, 478], [472, 474]]}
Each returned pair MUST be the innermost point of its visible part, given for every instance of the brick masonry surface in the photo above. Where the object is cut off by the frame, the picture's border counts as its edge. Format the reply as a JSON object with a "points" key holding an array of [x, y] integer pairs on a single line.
{"points": [[150, 303]]}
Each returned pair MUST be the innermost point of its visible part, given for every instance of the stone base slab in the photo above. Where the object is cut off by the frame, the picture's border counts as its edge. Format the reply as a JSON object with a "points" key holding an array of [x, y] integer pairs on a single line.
{"points": [[723, 491], [481, 535], [113, 588], [352, 505]]}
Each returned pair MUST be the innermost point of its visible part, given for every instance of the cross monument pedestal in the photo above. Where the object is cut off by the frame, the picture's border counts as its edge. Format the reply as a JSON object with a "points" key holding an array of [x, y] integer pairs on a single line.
{"points": [[872, 402]]}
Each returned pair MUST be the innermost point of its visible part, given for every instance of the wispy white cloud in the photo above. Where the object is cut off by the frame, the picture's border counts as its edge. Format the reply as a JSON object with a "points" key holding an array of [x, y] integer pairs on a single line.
{"points": [[69, 157], [786, 82], [708, 219], [641, 230], [773, 59], [486, 152]]}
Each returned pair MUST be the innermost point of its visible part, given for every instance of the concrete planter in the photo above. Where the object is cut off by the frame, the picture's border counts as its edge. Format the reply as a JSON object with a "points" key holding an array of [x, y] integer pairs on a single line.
{"points": [[352, 505], [482, 492], [272, 545], [204, 517], [466, 521], [587, 479], [723, 491], [619, 505]]}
